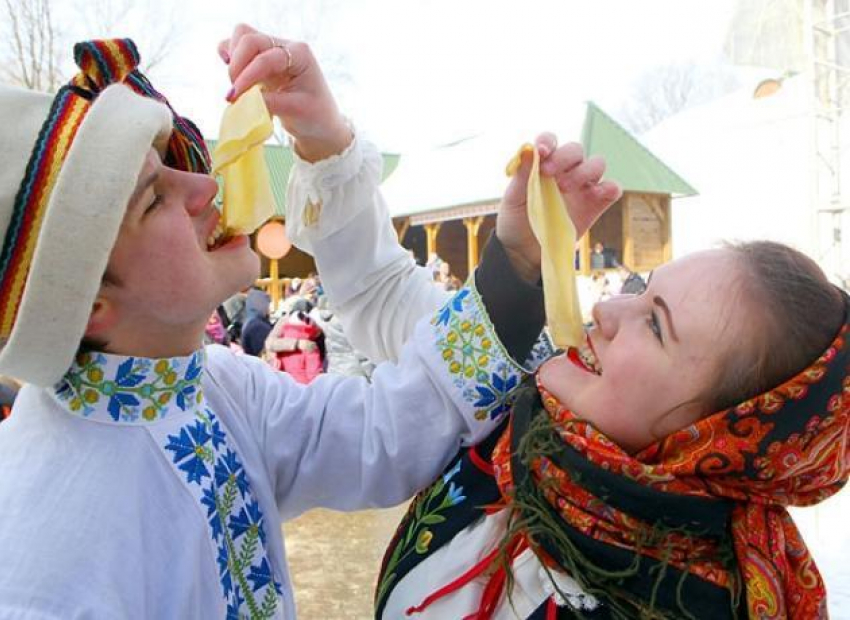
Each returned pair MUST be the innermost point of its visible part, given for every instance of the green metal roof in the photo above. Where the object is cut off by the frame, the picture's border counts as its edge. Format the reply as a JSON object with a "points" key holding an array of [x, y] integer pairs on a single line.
{"points": [[279, 161], [628, 161]]}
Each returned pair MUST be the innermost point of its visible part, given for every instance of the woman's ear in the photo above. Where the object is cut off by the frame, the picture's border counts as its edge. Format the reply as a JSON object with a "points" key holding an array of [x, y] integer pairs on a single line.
{"points": [[102, 318]]}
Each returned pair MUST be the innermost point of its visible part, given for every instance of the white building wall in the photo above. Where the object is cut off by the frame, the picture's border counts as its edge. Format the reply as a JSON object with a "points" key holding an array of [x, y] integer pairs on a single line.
{"points": [[751, 162]]}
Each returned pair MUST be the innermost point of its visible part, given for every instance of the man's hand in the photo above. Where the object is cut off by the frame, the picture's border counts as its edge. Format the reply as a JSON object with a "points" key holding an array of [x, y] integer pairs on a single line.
{"points": [[579, 180], [294, 88]]}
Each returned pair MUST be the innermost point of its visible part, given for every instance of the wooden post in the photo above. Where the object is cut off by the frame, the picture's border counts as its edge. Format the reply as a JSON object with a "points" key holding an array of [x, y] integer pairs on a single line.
{"points": [[628, 240], [274, 282], [401, 228], [473, 224], [668, 228], [584, 254], [431, 232]]}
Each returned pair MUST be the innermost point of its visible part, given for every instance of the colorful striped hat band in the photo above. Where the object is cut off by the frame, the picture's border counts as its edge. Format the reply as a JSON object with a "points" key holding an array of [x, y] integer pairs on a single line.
{"points": [[101, 64]]}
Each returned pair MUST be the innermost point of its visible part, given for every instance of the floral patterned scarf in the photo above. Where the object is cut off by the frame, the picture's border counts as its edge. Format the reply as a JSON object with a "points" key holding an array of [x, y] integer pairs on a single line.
{"points": [[695, 524]]}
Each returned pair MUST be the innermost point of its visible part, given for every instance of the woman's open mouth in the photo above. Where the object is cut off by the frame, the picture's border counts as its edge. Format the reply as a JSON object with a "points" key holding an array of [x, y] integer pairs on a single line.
{"points": [[584, 357]]}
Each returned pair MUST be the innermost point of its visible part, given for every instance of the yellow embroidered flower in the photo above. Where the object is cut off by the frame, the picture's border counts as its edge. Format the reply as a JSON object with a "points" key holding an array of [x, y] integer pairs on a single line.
{"points": [[95, 375], [465, 326], [454, 367], [479, 330], [451, 338], [483, 360], [90, 396], [76, 403], [170, 378], [149, 413], [486, 343], [161, 367], [423, 540], [164, 398], [469, 372], [480, 415], [447, 354]]}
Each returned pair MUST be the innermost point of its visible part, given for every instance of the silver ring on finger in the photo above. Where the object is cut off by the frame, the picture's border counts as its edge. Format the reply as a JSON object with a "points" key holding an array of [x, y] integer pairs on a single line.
{"points": [[277, 43]]}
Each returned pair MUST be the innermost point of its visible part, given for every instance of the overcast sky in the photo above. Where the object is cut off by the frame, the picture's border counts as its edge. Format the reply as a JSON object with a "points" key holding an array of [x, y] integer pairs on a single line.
{"points": [[417, 73]]}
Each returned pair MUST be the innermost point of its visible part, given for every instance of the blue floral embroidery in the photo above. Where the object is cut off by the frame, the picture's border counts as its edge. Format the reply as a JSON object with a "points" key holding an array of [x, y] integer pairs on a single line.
{"points": [[452, 472], [248, 521], [228, 467], [261, 575], [135, 388], [234, 517], [540, 352], [234, 607], [224, 569], [427, 509], [190, 450], [208, 500], [483, 372], [494, 395], [455, 494], [454, 305], [141, 391], [218, 437]]}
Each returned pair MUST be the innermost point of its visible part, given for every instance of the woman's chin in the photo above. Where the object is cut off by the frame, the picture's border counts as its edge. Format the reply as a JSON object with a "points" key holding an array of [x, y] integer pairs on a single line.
{"points": [[564, 377]]}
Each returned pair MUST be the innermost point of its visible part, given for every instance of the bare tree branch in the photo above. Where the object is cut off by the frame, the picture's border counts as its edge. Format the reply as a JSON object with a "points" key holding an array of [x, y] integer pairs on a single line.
{"points": [[159, 42], [28, 47], [662, 92], [102, 17], [152, 24]]}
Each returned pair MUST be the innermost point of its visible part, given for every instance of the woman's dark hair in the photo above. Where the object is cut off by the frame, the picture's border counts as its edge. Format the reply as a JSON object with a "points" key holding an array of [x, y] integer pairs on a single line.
{"points": [[797, 311]]}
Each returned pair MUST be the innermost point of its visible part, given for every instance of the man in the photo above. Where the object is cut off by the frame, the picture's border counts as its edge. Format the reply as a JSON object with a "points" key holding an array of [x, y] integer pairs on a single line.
{"points": [[257, 325], [146, 476], [599, 257]]}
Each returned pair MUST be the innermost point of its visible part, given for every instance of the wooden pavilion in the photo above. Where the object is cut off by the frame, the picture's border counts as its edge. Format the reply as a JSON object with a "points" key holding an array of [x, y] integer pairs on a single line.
{"points": [[438, 205], [445, 200]]}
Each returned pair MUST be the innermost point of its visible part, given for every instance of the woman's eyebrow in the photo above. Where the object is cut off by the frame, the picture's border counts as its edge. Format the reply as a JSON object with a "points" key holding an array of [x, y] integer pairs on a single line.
{"points": [[659, 301]]}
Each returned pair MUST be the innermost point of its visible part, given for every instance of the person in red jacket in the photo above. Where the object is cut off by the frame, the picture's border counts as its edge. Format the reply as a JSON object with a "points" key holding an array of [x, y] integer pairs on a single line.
{"points": [[296, 346]]}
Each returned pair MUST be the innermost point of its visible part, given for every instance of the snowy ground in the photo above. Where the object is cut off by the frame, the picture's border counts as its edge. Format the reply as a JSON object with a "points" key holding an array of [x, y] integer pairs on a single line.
{"points": [[826, 529]]}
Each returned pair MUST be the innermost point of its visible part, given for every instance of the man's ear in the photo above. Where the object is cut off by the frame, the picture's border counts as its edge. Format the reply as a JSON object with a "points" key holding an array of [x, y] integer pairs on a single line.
{"points": [[102, 318]]}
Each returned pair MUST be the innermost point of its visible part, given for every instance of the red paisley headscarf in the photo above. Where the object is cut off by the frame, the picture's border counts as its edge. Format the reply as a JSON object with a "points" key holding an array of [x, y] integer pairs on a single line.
{"points": [[789, 446]]}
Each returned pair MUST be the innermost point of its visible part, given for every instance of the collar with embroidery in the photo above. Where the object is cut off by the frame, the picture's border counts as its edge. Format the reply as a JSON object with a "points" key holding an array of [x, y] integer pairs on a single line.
{"points": [[134, 390]]}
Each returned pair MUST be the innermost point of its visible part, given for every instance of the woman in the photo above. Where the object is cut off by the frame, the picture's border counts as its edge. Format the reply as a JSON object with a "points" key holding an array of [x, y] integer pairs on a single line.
{"points": [[647, 474]]}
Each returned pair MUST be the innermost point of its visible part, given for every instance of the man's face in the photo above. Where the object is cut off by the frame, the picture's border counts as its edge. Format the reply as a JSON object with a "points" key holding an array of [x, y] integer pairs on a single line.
{"points": [[168, 281]]}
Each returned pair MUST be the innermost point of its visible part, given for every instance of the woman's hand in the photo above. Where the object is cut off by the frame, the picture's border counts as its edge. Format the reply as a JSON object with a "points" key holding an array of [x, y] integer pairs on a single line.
{"points": [[586, 195], [293, 86]]}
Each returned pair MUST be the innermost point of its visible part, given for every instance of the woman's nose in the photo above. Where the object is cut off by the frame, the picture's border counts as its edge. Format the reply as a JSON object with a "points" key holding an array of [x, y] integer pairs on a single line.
{"points": [[608, 314]]}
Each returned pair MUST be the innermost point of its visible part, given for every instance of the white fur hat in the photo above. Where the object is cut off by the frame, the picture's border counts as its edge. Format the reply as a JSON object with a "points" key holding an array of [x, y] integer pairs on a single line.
{"points": [[80, 221], [68, 167]]}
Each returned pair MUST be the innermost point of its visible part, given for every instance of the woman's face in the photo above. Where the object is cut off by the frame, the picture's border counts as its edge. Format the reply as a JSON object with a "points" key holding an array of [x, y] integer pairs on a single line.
{"points": [[658, 352]]}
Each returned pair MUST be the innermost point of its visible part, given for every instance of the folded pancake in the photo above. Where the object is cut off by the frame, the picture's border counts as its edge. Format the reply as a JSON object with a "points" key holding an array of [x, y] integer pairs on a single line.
{"points": [[556, 233], [239, 163]]}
